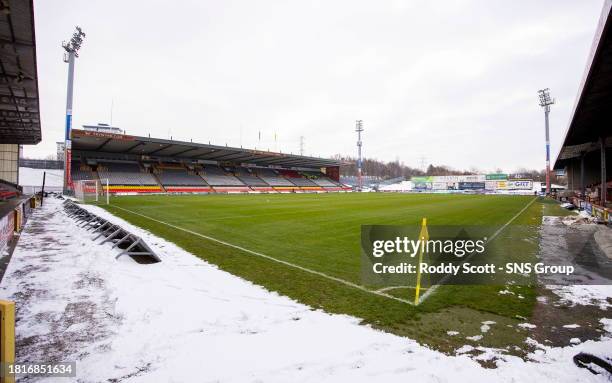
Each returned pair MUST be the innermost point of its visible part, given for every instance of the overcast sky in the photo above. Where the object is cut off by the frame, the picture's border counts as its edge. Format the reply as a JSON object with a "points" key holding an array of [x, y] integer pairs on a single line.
{"points": [[453, 81]]}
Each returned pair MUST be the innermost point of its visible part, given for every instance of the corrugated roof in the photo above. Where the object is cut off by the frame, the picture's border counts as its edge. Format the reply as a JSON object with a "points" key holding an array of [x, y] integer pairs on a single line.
{"points": [[19, 104], [592, 114], [92, 143]]}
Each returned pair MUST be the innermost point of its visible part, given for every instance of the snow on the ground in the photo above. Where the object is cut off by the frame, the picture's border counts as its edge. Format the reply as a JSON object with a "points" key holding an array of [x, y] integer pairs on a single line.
{"points": [[400, 186], [474, 338], [184, 320], [574, 325], [598, 295], [486, 326]]}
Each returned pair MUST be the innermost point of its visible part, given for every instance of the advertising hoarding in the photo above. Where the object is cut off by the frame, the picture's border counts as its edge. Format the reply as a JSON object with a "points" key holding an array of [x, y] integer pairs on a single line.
{"points": [[519, 184], [471, 185], [7, 227], [421, 179], [439, 186], [496, 177], [422, 185]]}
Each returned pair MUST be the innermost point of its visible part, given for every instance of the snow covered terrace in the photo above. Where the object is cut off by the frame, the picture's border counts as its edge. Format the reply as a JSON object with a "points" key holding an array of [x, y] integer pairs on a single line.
{"points": [[185, 320]]}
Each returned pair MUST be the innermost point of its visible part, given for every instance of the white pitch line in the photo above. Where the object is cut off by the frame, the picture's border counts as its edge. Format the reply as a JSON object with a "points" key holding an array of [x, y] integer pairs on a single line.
{"points": [[492, 237], [389, 288], [318, 273]]}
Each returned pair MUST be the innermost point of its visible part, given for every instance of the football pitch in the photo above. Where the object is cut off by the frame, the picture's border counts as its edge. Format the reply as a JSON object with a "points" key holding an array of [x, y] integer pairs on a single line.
{"points": [[307, 247]]}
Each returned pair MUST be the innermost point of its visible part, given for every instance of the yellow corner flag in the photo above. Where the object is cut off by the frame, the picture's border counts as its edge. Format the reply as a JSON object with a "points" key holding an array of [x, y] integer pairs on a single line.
{"points": [[423, 237]]}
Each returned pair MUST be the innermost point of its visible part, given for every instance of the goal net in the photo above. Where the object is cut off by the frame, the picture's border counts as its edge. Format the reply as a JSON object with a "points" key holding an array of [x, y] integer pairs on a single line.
{"points": [[92, 191]]}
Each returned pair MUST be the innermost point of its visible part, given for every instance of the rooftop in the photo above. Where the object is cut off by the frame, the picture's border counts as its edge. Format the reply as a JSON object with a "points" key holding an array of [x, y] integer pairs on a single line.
{"points": [[19, 106], [592, 115], [95, 142]]}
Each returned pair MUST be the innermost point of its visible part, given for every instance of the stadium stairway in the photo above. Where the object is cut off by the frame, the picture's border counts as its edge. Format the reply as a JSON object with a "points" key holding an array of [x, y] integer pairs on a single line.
{"points": [[161, 186]]}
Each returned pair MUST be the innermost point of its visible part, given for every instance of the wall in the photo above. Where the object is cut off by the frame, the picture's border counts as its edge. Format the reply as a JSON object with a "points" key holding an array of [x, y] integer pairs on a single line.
{"points": [[333, 172], [9, 162]]}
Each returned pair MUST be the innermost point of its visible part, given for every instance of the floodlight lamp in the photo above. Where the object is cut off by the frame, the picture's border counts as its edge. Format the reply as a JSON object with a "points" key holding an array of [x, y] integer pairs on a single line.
{"points": [[359, 127], [544, 96], [75, 42]]}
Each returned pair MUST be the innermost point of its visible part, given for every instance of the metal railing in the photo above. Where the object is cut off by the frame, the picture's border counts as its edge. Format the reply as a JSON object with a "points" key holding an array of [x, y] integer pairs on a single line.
{"points": [[126, 242]]}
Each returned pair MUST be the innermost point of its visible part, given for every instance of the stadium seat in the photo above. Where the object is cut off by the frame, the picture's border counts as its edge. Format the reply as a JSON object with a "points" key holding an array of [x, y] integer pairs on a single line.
{"points": [[81, 172], [7, 192], [215, 176], [272, 178], [325, 182], [179, 177], [322, 180], [125, 174], [302, 182]]}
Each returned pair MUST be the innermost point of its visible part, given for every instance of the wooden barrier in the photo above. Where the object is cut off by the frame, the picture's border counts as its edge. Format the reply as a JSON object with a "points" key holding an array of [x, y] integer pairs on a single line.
{"points": [[7, 338]]}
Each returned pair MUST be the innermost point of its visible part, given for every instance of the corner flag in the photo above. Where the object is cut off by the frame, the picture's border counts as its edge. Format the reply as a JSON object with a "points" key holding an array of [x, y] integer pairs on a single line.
{"points": [[424, 237]]}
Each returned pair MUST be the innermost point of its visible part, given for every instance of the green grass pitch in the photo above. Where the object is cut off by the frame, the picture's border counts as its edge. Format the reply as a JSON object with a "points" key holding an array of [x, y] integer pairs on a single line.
{"points": [[321, 232]]}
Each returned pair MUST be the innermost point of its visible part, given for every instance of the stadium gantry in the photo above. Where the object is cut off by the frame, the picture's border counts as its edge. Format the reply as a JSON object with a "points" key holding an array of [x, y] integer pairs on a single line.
{"points": [[139, 165]]}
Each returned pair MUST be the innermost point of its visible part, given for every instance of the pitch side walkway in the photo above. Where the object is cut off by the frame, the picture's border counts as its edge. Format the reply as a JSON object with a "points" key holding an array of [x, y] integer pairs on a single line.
{"points": [[184, 320]]}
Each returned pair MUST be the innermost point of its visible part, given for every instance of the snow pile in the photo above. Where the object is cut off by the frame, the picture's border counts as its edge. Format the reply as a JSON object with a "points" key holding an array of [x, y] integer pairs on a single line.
{"points": [[572, 326], [400, 186], [536, 186], [185, 320], [486, 326], [598, 295]]}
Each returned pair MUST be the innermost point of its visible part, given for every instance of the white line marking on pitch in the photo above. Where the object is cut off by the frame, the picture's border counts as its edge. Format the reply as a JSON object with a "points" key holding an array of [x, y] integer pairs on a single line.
{"points": [[318, 273], [380, 292], [492, 237]]}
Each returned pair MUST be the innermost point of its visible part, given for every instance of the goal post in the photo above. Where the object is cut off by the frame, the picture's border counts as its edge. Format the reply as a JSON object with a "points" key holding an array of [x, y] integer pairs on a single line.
{"points": [[92, 191]]}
